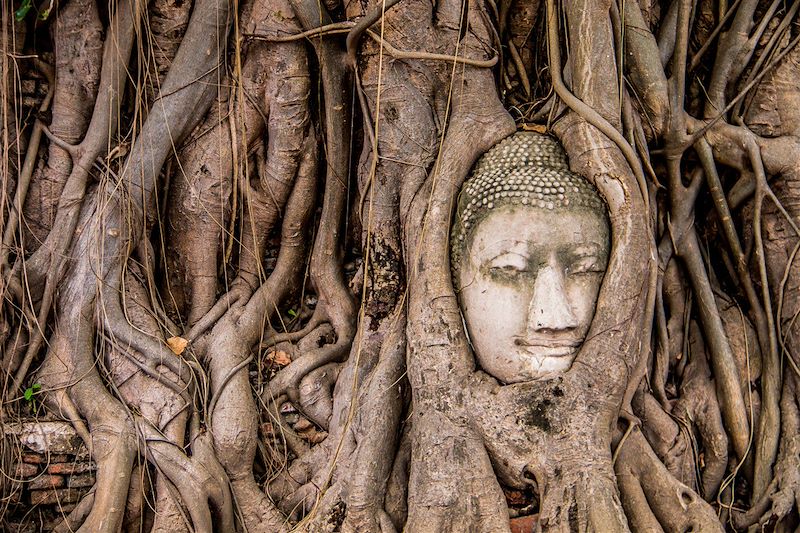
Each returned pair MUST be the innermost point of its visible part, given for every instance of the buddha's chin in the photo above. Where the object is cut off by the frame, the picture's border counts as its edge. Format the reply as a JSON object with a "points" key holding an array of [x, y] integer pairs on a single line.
{"points": [[549, 366], [524, 366]]}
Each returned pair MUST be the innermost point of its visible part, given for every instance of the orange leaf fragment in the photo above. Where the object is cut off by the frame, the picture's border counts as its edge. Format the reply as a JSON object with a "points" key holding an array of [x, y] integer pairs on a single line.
{"points": [[279, 357], [177, 344], [534, 127]]}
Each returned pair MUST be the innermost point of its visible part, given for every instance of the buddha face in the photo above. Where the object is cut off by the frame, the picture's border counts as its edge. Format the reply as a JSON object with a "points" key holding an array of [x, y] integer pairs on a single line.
{"points": [[529, 280]]}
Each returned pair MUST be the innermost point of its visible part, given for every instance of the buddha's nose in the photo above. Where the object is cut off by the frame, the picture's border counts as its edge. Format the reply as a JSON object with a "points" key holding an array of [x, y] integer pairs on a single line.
{"points": [[550, 309]]}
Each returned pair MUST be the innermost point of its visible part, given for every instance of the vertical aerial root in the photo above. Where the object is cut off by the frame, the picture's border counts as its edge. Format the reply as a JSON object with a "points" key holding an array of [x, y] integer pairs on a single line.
{"points": [[113, 440], [783, 493], [114, 452], [52, 255]]}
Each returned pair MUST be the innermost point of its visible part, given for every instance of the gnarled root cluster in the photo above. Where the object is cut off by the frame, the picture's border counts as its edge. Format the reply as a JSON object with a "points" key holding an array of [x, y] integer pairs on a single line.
{"points": [[225, 261]]}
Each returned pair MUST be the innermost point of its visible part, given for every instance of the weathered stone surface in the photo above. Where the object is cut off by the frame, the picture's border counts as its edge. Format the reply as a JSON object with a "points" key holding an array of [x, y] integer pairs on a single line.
{"points": [[44, 437], [50, 497]]}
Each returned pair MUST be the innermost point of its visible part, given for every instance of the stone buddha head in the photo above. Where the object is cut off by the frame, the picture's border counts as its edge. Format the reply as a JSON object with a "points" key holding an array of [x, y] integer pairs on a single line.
{"points": [[529, 249]]}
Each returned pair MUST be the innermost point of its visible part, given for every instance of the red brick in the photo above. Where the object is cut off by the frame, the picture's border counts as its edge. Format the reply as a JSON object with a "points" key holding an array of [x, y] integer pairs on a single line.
{"points": [[46, 482], [25, 470], [50, 497], [524, 524], [82, 480], [71, 468], [41, 458]]}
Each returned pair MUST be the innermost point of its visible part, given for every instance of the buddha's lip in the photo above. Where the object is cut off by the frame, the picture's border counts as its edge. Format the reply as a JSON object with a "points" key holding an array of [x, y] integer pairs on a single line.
{"points": [[550, 349], [547, 343]]}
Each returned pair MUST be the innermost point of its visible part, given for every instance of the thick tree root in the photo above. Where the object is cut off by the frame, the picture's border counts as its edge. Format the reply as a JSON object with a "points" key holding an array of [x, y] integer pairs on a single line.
{"points": [[653, 499]]}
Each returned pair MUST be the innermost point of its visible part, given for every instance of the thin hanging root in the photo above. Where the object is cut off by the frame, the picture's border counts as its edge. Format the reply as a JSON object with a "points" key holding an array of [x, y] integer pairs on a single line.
{"points": [[329, 29], [405, 54], [354, 36]]}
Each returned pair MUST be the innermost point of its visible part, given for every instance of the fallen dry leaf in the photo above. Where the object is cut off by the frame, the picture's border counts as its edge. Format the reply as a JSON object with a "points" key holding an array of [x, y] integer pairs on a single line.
{"points": [[312, 435], [279, 357], [303, 424], [177, 344], [534, 127]]}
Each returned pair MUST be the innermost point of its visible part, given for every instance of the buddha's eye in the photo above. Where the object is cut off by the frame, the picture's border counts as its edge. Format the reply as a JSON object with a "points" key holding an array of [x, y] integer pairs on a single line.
{"points": [[586, 265], [507, 265], [507, 270]]}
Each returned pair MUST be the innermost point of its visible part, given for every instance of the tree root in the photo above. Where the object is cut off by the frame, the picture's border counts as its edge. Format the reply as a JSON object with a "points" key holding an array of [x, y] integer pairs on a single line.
{"points": [[200, 480], [783, 493], [652, 497], [50, 261], [234, 418]]}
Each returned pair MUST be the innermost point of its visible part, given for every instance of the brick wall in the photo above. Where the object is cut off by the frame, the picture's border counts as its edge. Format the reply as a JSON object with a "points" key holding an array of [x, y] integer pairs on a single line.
{"points": [[51, 472]]}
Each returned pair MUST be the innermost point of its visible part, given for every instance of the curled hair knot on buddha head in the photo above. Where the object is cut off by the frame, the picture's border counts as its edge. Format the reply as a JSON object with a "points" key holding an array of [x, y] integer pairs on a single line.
{"points": [[526, 169]]}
